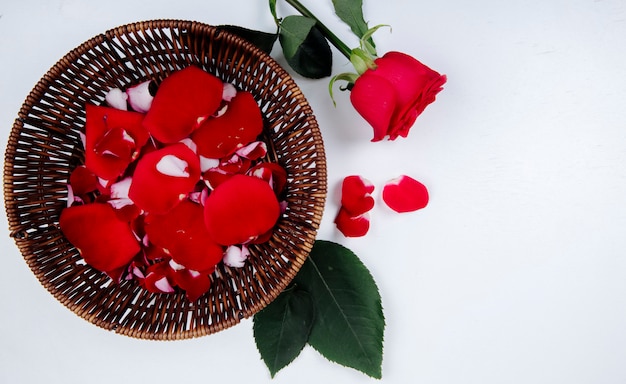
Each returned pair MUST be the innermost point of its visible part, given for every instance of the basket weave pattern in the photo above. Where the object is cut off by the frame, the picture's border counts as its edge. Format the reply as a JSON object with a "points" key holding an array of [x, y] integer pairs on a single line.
{"points": [[45, 146]]}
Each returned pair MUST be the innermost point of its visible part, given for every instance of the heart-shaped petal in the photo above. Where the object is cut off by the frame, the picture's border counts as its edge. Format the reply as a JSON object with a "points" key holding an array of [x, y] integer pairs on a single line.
{"points": [[182, 232], [240, 210], [182, 102], [242, 123], [405, 194], [356, 195], [352, 226], [164, 177], [104, 241], [113, 139]]}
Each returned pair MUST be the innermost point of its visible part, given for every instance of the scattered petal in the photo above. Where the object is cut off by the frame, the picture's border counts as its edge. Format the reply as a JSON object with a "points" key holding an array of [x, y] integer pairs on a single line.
{"points": [[253, 151], [117, 99], [352, 226], [236, 256], [193, 283], [229, 92], [182, 232], [240, 209], [113, 139], [140, 96], [356, 195], [103, 240], [157, 192], [273, 174], [183, 101], [405, 194], [221, 136]]}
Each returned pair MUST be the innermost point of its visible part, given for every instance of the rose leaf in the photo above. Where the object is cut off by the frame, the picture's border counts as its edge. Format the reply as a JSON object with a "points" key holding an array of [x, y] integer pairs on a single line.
{"points": [[349, 322], [282, 328], [305, 47]]}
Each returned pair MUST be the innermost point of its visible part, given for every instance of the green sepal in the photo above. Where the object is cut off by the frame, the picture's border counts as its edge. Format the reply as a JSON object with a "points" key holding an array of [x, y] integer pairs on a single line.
{"points": [[350, 78]]}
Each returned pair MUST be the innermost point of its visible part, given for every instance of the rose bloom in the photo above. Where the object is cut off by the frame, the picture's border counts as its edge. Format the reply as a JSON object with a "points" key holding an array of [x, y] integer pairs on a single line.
{"points": [[391, 96]]}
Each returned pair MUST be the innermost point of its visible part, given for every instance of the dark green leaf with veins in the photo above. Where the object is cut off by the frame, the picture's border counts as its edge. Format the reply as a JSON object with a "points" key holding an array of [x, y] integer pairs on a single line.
{"points": [[349, 322], [305, 47], [282, 328]]}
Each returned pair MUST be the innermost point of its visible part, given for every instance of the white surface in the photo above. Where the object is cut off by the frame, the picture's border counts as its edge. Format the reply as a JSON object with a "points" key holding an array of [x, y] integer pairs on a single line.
{"points": [[515, 272]]}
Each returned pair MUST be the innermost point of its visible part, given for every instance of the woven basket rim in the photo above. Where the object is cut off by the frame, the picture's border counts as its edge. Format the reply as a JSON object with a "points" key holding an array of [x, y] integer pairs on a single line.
{"points": [[27, 235]]}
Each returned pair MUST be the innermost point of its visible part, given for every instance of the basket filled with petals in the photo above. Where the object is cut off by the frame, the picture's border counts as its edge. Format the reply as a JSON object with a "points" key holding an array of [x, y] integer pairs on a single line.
{"points": [[165, 180]]}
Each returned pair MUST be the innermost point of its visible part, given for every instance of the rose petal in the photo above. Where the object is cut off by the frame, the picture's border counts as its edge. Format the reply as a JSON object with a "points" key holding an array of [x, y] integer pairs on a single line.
{"points": [[117, 99], [157, 192], [236, 256], [193, 283], [352, 226], [183, 234], [103, 240], [229, 92], [83, 182], [140, 96], [240, 209], [253, 151], [405, 194], [108, 135], [241, 124], [183, 101], [356, 195], [157, 278], [273, 174]]}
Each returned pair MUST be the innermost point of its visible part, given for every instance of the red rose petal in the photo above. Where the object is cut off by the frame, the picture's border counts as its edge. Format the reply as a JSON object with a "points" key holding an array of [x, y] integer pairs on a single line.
{"points": [[103, 240], [108, 148], [272, 173], [164, 177], [356, 195], [352, 226], [242, 123], [158, 278], [240, 209], [83, 182], [183, 100], [183, 234], [194, 284], [405, 194]]}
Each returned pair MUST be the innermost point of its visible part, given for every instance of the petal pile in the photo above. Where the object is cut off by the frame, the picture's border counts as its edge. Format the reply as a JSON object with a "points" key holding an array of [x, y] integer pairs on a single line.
{"points": [[356, 201], [175, 181]]}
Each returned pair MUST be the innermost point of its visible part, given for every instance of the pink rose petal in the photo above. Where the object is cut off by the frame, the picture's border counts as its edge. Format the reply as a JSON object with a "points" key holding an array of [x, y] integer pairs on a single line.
{"points": [[405, 194]]}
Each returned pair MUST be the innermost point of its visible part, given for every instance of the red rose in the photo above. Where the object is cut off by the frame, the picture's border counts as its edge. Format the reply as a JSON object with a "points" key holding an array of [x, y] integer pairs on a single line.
{"points": [[391, 96]]}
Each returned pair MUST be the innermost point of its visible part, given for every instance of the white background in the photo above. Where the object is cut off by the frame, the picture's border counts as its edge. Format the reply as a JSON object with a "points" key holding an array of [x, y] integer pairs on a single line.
{"points": [[514, 273]]}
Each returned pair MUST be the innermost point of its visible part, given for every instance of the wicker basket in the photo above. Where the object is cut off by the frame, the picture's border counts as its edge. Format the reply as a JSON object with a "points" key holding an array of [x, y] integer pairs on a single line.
{"points": [[44, 147]]}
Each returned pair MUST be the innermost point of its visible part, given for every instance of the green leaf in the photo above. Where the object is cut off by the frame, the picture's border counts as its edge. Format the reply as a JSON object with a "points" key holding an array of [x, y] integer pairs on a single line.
{"points": [[351, 13], [282, 328], [349, 322], [262, 40], [305, 47]]}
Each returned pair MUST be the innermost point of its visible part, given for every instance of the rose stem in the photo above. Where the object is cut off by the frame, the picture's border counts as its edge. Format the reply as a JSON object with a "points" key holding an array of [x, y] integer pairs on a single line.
{"points": [[334, 40]]}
